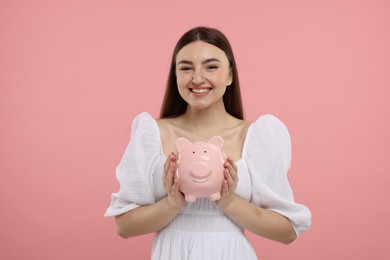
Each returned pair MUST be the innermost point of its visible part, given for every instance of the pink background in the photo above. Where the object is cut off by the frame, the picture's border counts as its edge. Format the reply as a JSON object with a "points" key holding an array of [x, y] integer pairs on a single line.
{"points": [[73, 74]]}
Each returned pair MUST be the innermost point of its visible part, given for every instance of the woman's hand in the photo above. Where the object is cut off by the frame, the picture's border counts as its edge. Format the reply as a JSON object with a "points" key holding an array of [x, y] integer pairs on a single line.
{"points": [[260, 221], [229, 185], [171, 184], [154, 217]]}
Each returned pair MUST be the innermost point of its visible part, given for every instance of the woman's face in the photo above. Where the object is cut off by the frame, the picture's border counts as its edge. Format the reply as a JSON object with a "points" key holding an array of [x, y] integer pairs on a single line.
{"points": [[203, 73]]}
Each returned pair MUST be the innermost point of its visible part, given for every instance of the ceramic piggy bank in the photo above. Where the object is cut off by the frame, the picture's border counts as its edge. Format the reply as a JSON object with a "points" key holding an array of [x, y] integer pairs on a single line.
{"points": [[200, 168]]}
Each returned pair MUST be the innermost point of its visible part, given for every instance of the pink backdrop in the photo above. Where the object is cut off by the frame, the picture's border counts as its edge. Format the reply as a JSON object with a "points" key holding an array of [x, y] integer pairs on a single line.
{"points": [[73, 74]]}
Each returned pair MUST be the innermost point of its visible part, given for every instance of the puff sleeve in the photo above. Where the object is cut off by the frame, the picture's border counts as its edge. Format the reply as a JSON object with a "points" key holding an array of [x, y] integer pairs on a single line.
{"points": [[268, 155], [138, 168]]}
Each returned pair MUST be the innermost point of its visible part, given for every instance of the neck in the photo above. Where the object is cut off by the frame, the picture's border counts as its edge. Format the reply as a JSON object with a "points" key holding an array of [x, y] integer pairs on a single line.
{"points": [[211, 119]]}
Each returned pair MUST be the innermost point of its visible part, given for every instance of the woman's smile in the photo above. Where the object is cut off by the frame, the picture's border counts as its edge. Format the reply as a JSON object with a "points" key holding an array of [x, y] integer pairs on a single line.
{"points": [[200, 90]]}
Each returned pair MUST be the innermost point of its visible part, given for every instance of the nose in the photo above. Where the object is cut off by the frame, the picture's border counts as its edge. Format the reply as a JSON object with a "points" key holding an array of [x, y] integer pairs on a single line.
{"points": [[200, 170], [198, 77]]}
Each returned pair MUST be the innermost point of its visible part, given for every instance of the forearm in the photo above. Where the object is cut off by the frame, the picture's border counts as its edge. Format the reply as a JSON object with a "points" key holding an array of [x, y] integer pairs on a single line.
{"points": [[145, 219], [263, 222]]}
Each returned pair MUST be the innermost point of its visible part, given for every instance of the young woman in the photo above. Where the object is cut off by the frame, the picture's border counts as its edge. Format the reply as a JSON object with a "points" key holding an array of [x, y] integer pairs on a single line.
{"points": [[203, 99]]}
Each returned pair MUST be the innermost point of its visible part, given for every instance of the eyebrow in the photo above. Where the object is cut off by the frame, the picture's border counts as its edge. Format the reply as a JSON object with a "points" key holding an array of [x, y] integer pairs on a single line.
{"points": [[203, 62]]}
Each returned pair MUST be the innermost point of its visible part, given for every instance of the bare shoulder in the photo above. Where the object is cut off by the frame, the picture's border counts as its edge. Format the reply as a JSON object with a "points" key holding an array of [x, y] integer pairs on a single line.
{"points": [[162, 124], [234, 137], [166, 125], [167, 128], [238, 127]]}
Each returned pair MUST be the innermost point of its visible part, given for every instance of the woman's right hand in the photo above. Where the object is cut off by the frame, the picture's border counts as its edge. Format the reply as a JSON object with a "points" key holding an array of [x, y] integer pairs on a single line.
{"points": [[174, 195], [154, 217]]}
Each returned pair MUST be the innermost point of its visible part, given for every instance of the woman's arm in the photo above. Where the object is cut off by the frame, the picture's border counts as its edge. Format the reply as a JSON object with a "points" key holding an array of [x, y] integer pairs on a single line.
{"points": [[146, 219], [153, 217], [265, 223]]}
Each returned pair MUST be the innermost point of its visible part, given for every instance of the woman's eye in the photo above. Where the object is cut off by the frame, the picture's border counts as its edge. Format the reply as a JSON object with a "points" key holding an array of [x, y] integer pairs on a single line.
{"points": [[185, 68], [212, 67]]}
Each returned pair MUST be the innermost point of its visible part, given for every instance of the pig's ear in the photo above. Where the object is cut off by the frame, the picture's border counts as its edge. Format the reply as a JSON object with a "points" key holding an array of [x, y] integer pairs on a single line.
{"points": [[181, 143], [217, 141]]}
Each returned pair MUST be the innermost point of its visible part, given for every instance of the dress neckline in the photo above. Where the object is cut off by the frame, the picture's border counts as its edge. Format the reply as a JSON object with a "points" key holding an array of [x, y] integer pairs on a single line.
{"points": [[243, 152]]}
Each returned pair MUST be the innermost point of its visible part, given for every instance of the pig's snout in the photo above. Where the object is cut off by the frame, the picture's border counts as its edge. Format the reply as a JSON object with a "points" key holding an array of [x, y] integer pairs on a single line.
{"points": [[200, 170]]}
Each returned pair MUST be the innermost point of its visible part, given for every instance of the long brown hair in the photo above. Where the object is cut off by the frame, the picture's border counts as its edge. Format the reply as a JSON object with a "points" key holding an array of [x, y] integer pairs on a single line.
{"points": [[173, 104]]}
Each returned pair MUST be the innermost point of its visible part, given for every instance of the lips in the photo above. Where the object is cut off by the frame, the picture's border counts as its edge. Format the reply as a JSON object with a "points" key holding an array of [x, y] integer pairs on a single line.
{"points": [[200, 90]]}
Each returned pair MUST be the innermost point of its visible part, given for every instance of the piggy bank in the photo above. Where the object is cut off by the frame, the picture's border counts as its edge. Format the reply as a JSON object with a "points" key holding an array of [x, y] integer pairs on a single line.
{"points": [[200, 168]]}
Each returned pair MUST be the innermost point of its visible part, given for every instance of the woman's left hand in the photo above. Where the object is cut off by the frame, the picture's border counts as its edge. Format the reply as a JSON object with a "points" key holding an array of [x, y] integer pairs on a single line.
{"points": [[229, 184]]}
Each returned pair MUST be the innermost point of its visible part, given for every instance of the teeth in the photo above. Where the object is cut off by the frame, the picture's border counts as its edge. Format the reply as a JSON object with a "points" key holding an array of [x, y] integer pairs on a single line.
{"points": [[200, 90]]}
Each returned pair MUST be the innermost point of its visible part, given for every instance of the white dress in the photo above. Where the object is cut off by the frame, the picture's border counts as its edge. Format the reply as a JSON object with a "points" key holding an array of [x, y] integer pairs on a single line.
{"points": [[201, 230]]}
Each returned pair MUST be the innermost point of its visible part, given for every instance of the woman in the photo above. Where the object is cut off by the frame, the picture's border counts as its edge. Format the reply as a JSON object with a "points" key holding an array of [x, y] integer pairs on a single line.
{"points": [[203, 99]]}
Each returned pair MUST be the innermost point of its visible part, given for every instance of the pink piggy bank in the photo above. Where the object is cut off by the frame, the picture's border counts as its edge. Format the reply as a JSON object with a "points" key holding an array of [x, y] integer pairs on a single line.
{"points": [[200, 168]]}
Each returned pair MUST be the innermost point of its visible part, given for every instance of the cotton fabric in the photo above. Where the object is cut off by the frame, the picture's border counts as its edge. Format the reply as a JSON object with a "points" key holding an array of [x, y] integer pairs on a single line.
{"points": [[201, 230]]}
